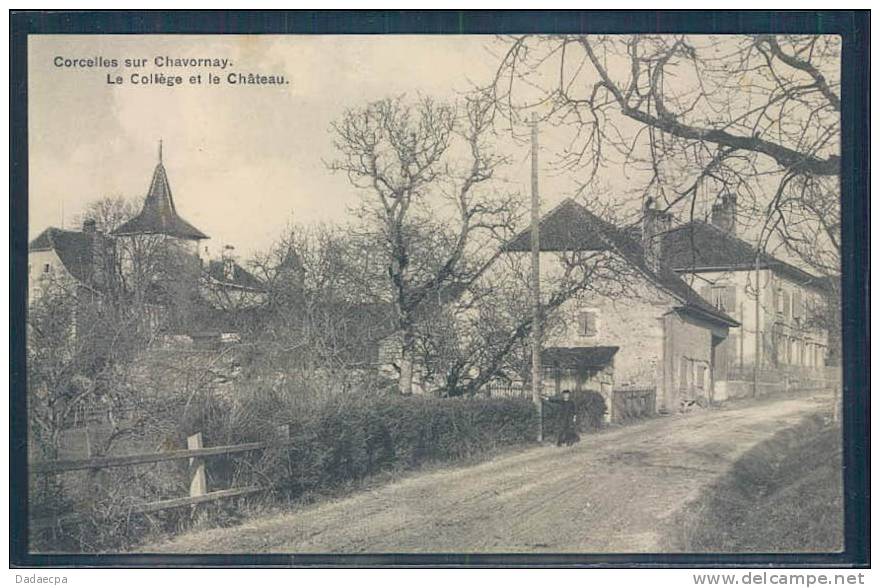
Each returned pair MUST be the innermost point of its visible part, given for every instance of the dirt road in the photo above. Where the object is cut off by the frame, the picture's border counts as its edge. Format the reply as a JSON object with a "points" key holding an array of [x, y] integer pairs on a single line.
{"points": [[614, 492]]}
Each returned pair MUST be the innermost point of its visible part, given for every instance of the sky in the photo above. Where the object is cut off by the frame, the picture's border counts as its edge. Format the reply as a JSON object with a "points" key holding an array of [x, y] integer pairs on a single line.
{"points": [[244, 162], [247, 161]]}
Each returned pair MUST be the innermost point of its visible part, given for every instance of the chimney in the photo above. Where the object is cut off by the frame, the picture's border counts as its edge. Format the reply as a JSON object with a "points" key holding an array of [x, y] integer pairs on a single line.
{"points": [[724, 213], [90, 226], [228, 263], [655, 224]]}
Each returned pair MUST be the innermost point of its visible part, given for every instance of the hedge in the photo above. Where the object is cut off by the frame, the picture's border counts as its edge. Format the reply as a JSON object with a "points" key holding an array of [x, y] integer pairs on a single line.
{"points": [[348, 438], [590, 407]]}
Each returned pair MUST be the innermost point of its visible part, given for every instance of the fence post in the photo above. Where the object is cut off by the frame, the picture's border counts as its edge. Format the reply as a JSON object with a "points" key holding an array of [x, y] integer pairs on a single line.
{"points": [[282, 432], [198, 484]]}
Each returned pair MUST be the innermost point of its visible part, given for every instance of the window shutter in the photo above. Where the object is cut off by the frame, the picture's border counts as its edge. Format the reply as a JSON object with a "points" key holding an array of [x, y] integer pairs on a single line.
{"points": [[786, 304], [582, 324], [590, 323], [730, 298]]}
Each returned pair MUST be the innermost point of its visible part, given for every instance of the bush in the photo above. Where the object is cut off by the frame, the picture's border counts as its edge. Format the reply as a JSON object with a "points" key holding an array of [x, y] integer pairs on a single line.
{"points": [[334, 441], [591, 411], [348, 438]]}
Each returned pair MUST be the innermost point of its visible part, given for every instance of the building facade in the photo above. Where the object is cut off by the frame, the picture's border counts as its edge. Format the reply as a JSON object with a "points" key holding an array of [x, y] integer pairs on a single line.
{"points": [[663, 335], [779, 341]]}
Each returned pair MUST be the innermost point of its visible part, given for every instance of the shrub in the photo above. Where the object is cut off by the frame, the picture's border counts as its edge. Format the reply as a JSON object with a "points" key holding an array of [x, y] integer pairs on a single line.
{"points": [[590, 407], [338, 440], [350, 438]]}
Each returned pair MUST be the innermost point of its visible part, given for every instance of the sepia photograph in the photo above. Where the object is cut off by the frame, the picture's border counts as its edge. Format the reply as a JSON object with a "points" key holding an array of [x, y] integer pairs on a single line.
{"points": [[434, 294]]}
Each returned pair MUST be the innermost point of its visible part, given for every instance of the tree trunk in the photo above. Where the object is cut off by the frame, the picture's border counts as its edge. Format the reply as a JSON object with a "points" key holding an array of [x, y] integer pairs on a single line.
{"points": [[405, 384]]}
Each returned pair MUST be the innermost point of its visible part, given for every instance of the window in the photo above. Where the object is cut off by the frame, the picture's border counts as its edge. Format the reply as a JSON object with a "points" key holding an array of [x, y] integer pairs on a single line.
{"points": [[721, 297], [47, 268], [780, 303], [586, 323], [797, 306]]}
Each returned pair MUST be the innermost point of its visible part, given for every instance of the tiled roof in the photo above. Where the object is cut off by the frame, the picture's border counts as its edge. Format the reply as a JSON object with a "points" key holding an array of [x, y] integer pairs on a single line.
{"points": [[571, 227], [74, 248], [240, 276], [159, 216], [565, 228], [700, 245]]}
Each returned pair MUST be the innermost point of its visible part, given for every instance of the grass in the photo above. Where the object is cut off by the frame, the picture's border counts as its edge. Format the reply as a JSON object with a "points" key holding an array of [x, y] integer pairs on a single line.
{"points": [[783, 495]]}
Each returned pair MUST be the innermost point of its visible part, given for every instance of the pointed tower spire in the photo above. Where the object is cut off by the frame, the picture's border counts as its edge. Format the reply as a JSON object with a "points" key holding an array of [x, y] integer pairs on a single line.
{"points": [[159, 215]]}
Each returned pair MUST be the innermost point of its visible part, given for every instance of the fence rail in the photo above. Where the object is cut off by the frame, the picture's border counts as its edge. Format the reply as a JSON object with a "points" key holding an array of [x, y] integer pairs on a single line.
{"points": [[197, 478], [98, 463], [509, 390], [505, 390]]}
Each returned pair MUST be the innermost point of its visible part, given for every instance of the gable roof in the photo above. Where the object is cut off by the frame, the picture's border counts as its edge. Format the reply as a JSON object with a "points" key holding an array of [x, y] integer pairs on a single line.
{"points": [[699, 245], [74, 249], [571, 227], [568, 227], [240, 278], [159, 216]]}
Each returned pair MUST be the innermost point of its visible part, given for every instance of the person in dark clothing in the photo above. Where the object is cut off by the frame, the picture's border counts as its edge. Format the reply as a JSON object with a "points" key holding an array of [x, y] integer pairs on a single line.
{"points": [[567, 422]]}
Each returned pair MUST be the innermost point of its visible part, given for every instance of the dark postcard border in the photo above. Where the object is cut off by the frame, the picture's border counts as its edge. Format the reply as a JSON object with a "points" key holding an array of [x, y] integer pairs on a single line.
{"points": [[854, 28]]}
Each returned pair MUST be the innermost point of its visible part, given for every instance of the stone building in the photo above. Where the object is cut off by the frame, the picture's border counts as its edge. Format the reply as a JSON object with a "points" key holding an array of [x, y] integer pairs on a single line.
{"points": [[656, 333], [154, 255], [774, 301]]}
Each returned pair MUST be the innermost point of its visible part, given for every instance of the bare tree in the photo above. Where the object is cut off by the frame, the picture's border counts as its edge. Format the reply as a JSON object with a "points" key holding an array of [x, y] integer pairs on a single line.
{"points": [[495, 320], [323, 312], [110, 212], [87, 336], [77, 344], [422, 166], [689, 117]]}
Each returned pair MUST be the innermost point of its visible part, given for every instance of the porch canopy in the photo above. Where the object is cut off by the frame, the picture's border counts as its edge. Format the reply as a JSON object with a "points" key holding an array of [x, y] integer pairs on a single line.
{"points": [[578, 358]]}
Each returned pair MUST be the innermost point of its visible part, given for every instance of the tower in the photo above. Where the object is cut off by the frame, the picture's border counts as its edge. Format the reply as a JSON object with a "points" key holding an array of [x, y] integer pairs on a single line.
{"points": [[158, 249], [159, 215]]}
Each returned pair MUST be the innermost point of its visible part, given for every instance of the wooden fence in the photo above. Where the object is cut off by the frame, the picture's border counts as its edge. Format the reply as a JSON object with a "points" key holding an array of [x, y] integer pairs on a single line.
{"points": [[507, 390], [195, 452], [634, 404]]}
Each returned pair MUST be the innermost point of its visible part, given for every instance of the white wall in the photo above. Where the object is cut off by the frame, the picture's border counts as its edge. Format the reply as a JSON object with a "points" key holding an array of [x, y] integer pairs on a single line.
{"points": [[756, 315]]}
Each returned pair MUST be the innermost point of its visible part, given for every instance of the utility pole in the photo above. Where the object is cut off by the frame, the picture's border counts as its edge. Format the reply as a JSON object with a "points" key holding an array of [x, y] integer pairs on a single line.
{"points": [[536, 285], [758, 333]]}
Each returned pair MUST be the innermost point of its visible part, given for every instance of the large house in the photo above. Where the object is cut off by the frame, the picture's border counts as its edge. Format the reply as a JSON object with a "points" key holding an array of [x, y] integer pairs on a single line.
{"points": [[96, 261], [656, 334], [697, 322], [774, 301]]}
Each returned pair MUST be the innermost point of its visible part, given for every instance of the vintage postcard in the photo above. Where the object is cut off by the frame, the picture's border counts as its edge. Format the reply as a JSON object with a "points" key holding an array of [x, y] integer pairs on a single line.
{"points": [[434, 294]]}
